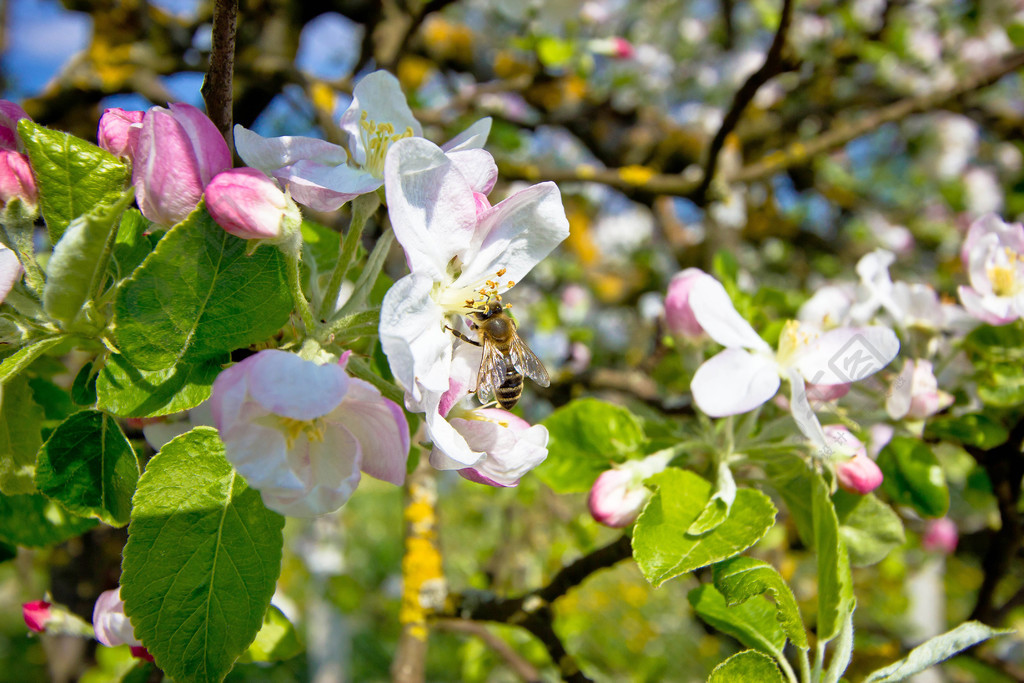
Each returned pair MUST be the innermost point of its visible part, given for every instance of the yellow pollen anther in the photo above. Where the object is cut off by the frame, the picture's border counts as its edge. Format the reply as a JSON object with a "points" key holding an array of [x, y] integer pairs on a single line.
{"points": [[376, 138], [501, 272], [511, 284], [313, 430]]}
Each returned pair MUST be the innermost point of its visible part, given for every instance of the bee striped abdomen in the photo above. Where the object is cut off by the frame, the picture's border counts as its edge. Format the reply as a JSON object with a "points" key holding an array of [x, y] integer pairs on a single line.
{"points": [[510, 390]]}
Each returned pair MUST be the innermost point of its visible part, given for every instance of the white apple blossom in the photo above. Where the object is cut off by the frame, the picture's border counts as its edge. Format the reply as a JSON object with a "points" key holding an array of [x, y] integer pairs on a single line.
{"points": [[748, 372], [992, 254], [461, 251], [486, 445], [322, 175], [915, 393], [301, 433]]}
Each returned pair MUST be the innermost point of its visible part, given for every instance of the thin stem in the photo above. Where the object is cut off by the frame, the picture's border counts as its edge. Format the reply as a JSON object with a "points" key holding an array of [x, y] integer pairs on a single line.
{"points": [[805, 667], [819, 661], [363, 207], [786, 668], [295, 283]]}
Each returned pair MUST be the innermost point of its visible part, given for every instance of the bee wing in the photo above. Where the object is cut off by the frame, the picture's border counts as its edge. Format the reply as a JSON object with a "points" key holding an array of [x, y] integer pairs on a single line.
{"points": [[491, 373], [525, 361]]}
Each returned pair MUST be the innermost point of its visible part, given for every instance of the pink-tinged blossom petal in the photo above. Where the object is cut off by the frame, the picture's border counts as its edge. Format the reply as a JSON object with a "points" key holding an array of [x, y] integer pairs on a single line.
{"points": [[413, 338], [111, 625], [10, 271], [377, 98], [179, 152], [248, 204], [270, 154], [474, 137], [431, 206], [915, 394], [141, 653], [847, 354], [512, 446], [859, 475], [325, 187], [803, 414], [733, 382], [940, 535], [679, 316], [16, 179], [987, 309], [300, 433], [515, 235], [10, 114], [119, 132], [477, 167], [715, 313], [37, 615], [1007, 234], [618, 495]]}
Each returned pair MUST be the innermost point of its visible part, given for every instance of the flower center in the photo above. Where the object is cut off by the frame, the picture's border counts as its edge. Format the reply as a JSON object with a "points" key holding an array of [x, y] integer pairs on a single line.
{"points": [[473, 299], [791, 341], [377, 137], [1003, 273], [313, 429]]}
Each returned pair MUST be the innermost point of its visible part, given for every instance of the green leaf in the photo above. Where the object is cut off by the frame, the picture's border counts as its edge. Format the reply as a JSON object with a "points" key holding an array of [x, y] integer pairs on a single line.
{"points": [[20, 421], [322, 244], [747, 666], [202, 558], [975, 429], [126, 391], [553, 52], [913, 476], [835, 585], [131, 246], [842, 652], [741, 578], [661, 544], [72, 175], [752, 623], [55, 401], [935, 650], [34, 521], [88, 466], [83, 389], [869, 528], [276, 641], [76, 268], [198, 295], [584, 437], [23, 357], [793, 480]]}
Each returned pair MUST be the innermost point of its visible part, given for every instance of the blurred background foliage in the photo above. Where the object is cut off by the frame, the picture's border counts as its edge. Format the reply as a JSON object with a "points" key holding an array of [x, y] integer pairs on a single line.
{"points": [[882, 123]]}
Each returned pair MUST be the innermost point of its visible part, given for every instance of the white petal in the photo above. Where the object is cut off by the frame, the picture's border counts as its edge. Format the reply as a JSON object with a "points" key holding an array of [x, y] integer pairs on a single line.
{"points": [[800, 407], [511, 453], [10, 271], [380, 96], [477, 167], [897, 403], [381, 429], [847, 354], [713, 309], [325, 187], [450, 452], [994, 310], [329, 470], [270, 154], [474, 137], [733, 382], [431, 205], [516, 234], [287, 385], [413, 337]]}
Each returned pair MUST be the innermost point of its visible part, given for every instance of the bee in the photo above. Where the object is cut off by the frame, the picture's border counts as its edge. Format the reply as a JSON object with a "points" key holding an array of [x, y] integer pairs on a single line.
{"points": [[506, 357]]}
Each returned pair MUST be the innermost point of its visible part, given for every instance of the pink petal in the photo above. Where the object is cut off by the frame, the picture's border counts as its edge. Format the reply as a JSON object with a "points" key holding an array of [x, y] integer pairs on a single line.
{"points": [[380, 427], [119, 131], [289, 386], [166, 174], [208, 145], [325, 187], [247, 204]]}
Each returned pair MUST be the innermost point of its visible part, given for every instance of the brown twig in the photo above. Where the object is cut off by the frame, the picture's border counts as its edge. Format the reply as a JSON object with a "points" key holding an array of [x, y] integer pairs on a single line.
{"points": [[525, 670], [216, 88], [774, 64]]}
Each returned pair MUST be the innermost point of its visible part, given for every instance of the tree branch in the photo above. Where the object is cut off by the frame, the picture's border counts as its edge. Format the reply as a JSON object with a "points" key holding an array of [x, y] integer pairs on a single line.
{"points": [[774, 64], [216, 88], [516, 662]]}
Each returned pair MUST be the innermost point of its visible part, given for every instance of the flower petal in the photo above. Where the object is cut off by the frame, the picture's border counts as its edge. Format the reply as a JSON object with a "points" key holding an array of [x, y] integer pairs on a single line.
{"points": [[381, 429], [733, 382], [431, 205], [166, 171], [477, 167], [804, 415], [413, 337], [208, 145], [270, 154], [325, 187], [516, 234], [511, 451], [10, 271], [847, 354], [287, 385], [715, 312], [474, 137], [379, 95]]}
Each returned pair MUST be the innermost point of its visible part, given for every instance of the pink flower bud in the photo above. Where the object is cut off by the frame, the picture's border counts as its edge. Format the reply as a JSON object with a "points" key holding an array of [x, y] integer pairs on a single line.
{"points": [[859, 474], [16, 179], [623, 48], [178, 154], [249, 205], [915, 393], [141, 653], [37, 615], [679, 317], [616, 498], [940, 535], [10, 114], [110, 622], [119, 132]]}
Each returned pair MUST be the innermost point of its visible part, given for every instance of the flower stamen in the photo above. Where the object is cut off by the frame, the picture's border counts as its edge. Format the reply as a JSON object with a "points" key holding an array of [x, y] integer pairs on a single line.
{"points": [[376, 138]]}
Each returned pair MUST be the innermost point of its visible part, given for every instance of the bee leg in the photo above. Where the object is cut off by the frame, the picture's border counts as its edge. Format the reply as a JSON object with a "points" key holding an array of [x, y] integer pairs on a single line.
{"points": [[463, 337]]}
